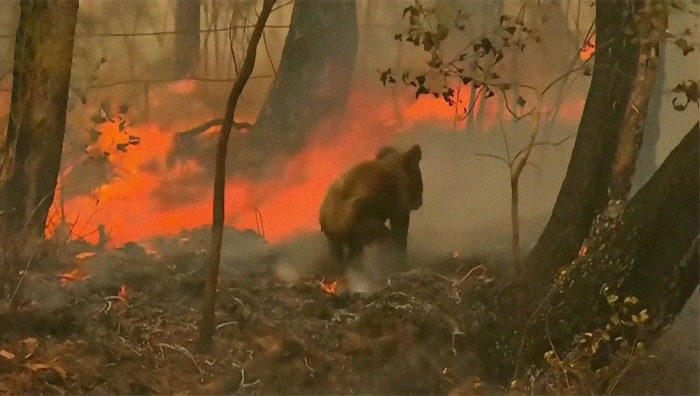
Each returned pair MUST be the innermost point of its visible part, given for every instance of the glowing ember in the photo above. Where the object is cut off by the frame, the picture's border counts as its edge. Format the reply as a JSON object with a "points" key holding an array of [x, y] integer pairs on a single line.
{"points": [[583, 250], [329, 287], [84, 255], [77, 274], [588, 49], [123, 293]]}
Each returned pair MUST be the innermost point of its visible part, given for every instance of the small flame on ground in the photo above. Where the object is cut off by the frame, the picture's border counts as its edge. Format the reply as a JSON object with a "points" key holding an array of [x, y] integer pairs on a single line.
{"points": [[123, 293], [330, 287], [77, 274]]}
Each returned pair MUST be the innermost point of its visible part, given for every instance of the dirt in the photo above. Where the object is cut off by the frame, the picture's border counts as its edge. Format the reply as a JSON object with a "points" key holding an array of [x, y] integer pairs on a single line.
{"points": [[131, 328], [126, 323]]}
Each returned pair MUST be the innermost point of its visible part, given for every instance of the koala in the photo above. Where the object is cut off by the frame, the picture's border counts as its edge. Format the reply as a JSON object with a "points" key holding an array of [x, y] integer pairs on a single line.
{"points": [[357, 205]]}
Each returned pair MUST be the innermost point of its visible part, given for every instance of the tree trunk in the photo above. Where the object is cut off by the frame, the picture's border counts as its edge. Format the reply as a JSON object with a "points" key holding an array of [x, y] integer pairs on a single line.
{"points": [[632, 130], [30, 155], [187, 40], [646, 164], [651, 255], [313, 82], [209, 308], [584, 190], [313, 79]]}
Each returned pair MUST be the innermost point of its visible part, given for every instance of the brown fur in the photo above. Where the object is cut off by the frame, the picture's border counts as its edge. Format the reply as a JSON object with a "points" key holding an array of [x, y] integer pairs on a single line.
{"points": [[356, 207]]}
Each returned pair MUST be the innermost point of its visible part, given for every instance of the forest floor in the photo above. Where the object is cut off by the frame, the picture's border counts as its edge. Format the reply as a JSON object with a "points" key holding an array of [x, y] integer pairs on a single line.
{"points": [[130, 327]]}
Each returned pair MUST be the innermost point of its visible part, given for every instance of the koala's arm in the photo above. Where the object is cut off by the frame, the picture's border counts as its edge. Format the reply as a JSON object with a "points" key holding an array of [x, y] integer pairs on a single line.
{"points": [[399, 230]]}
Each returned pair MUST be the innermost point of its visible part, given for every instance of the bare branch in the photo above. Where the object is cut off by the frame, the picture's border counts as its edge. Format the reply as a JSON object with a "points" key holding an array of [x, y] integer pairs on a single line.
{"points": [[497, 157], [545, 144], [171, 79]]}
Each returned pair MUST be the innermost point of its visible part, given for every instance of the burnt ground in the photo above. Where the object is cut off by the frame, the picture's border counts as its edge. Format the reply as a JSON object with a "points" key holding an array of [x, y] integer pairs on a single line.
{"points": [[131, 328]]}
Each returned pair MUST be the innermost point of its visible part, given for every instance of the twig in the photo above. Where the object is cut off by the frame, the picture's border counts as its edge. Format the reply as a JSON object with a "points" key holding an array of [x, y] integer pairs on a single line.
{"points": [[222, 325], [465, 277], [546, 144], [24, 273], [171, 79], [183, 350], [508, 163], [554, 350], [627, 366], [311, 370]]}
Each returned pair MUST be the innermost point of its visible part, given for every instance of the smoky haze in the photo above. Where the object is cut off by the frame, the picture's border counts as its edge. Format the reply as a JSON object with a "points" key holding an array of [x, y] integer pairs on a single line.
{"points": [[150, 193]]}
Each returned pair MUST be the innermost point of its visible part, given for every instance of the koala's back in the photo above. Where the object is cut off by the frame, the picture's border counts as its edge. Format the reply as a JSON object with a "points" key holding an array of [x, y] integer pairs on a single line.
{"points": [[366, 190]]}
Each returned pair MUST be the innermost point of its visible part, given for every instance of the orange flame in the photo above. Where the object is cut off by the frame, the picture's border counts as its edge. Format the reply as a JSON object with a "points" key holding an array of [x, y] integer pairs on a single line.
{"points": [[123, 293], [130, 209], [77, 274], [330, 287]]}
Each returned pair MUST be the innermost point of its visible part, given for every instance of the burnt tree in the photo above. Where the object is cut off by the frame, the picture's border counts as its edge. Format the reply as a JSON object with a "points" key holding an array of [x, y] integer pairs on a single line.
{"points": [[187, 15], [584, 190], [651, 254], [312, 84], [30, 155], [314, 74]]}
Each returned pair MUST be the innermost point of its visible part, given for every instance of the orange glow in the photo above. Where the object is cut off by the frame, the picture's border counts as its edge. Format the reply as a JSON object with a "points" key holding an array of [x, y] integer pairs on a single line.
{"points": [[329, 287], [77, 274], [123, 293], [588, 49], [132, 207]]}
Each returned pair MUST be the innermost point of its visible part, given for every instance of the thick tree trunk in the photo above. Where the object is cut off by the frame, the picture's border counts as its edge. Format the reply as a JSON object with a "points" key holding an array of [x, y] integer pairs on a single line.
{"points": [[30, 155], [187, 40], [313, 79], [313, 82], [651, 255], [584, 190]]}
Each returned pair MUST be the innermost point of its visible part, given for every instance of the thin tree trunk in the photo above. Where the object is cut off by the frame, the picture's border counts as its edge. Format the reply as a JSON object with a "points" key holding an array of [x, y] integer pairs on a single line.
{"points": [[584, 190], [209, 308], [30, 156], [187, 15]]}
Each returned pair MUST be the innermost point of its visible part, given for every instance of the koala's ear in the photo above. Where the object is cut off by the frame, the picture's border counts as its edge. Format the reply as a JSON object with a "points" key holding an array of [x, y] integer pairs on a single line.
{"points": [[414, 154], [385, 151]]}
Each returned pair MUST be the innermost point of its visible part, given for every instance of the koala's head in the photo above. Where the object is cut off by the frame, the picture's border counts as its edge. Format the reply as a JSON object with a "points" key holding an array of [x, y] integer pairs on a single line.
{"points": [[411, 161]]}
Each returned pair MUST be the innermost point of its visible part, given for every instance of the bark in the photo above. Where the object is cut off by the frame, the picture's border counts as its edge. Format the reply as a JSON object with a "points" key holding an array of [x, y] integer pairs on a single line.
{"points": [[187, 14], [208, 310], [584, 189], [646, 164], [313, 79], [632, 130], [30, 156]]}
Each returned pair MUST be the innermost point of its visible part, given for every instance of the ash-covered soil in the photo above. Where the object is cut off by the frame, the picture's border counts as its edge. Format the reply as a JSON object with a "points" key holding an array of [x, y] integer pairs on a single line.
{"points": [[130, 327]]}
